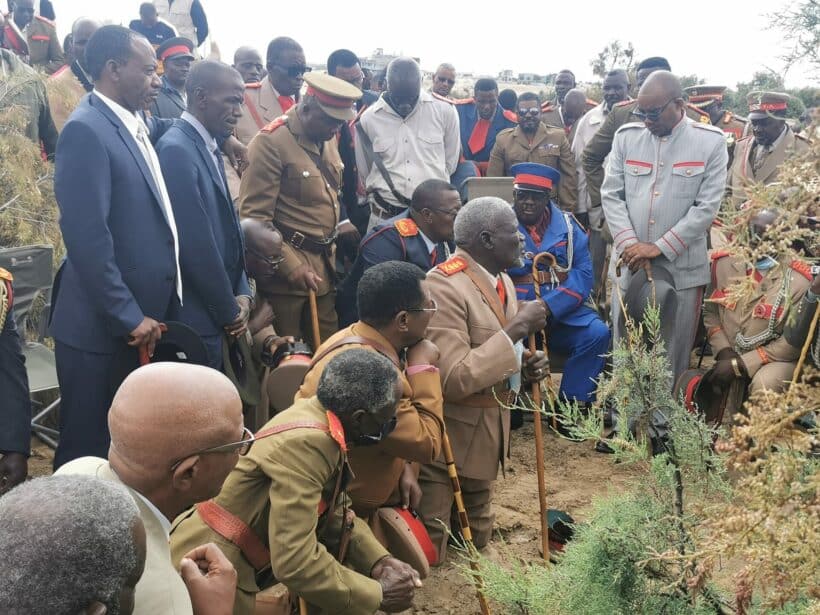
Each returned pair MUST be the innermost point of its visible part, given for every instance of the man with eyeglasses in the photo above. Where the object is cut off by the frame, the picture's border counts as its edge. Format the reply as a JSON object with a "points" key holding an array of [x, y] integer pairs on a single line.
{"points": [[479, 326], [664, 184], [283, 514], [443, 80], [404, 138], [534, 141], [176, 433], [422, 235]]}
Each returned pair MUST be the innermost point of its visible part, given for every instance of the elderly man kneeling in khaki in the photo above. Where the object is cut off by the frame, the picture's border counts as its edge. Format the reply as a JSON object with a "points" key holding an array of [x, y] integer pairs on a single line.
{"points": [[283, 514]]}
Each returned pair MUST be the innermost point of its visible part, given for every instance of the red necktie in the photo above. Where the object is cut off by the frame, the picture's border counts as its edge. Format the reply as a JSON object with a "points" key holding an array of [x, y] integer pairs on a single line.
{"points": [[286, 102], [433, 256], [502, 292], [479, 137]]}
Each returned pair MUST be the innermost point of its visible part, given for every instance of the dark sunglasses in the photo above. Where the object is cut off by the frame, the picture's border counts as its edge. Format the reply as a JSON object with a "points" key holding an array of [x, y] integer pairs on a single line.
{"points": [[295, 71], [653, 114], [273, 263], [533, 111], [242, 447]]}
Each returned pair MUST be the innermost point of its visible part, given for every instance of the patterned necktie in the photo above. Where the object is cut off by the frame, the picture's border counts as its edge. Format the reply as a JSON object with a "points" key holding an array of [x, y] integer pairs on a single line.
{"points": [[220, 166]]}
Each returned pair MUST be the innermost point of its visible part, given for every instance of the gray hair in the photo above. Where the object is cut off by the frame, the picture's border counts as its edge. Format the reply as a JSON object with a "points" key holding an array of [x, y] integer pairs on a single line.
{"points": [[358, 379], [479, 215], [66, 541]]}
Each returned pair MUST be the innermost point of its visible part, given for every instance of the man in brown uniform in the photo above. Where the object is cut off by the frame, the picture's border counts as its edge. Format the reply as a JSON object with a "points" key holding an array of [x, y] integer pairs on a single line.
{"points": [[478, 326], [281, 509], [534, 141], [758, 157], [709, 98], [600, 145], [44, 50], [394, 309], [553, 111], [746, 334], [293, 181]]}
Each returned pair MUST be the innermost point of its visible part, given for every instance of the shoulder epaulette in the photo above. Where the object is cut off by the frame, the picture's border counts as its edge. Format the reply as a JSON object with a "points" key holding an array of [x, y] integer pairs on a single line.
{"points": [[452, 266], [406, 227], [630, 125], [277, 123], [44, 20], [449, 101], [548, 106], [592, 103], [504, 131], [623, 103], [710, 128], [462, 101], [718, 254], [511, 116], [6, 275], [803, 268], [253, 86], [58, 72]]}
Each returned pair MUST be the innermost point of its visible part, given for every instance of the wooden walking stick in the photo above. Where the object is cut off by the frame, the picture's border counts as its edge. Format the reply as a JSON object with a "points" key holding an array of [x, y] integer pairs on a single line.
{"points": [[805, 350], [537, 286], [463, 521], [314, 320]]}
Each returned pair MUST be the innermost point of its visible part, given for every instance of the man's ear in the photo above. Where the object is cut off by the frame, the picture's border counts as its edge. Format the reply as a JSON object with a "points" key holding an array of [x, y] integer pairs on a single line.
{"points": [[486, 238], [95, 608], [401, 320], [356, 419], [185, 473]]}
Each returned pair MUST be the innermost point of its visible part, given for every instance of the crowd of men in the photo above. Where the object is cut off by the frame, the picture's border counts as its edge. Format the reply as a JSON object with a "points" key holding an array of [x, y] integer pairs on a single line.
{"points": [[280, 317]]}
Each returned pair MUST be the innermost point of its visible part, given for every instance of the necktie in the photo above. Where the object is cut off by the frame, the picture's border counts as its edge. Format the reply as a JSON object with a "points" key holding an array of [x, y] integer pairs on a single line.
{"points": [[220, 166], [759, 157], [433, 255], [478, 139], [502, 292], [286, 102]]}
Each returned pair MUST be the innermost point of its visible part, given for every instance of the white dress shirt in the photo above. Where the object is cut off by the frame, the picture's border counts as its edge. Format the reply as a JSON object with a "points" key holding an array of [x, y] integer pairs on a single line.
{"points": [[210, 143], [136, 127]]}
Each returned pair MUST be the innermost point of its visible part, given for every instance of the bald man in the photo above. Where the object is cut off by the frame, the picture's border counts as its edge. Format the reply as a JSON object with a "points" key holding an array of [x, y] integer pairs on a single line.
{"points": [[248, 62], [176, 433], [69, 84], [573, 109]]}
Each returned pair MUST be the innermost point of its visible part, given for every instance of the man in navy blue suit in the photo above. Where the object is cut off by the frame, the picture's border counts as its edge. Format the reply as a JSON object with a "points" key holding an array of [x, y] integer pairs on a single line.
{"points": [[216, 294], [120, 277]]}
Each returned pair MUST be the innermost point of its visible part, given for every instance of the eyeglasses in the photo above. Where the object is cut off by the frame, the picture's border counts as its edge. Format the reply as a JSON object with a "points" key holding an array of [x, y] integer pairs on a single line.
{"points": [[242, 448], [433, 309], [533, 111], [444, 212], [295, 71], [272, 262], [653, 114]]}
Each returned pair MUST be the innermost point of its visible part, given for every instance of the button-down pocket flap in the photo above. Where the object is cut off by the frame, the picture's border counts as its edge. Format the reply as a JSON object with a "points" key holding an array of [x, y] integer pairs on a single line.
{"points": [[431, 137], [637, 167], [688, 169], [296, 174]]}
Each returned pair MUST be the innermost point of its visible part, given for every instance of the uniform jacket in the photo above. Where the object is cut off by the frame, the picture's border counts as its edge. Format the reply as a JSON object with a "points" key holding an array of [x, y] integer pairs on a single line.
{"points": [[600, 145], [120, 263], [565, 300], [350, 172], [666, 191], [261, 108], [742, 171], [549, 147], [797, 329], [64, 93], [551, 115], [477, 358], [283, 185], [44, 47], [160, 589], [276, 490], [776, 293], [419, 425], [31, 96], [169, 102], [397, 239], [468, 118], [211, 250]]}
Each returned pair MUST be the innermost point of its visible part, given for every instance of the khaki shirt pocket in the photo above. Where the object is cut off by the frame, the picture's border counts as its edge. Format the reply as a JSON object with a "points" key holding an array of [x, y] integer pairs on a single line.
{"points": [[303, 184]]}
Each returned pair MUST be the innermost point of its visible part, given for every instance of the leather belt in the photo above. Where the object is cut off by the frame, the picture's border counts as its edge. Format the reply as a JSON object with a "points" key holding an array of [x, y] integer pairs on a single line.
{"points": [[308, 243], [383, 209], [543, 278]]}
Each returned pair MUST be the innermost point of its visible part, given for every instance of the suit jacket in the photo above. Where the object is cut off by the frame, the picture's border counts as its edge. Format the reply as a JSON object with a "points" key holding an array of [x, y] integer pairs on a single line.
{"points": [[468, 118], [417, 436], [666, 191], [169, 102], [211, 250], [276, 490], [477, 358], [120, 263], [160, 589], [742, 172]]}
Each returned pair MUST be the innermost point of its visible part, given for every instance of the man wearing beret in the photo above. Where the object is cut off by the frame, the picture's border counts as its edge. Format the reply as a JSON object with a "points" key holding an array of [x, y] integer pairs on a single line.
{"points": [[176, 55]]}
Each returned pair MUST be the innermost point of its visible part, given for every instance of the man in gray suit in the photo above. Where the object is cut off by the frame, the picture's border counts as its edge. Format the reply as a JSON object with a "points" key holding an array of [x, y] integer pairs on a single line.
{"points": [[664, 183]]}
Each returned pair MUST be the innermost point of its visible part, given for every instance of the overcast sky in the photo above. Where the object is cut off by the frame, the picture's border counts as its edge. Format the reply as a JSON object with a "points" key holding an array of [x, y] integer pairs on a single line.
{"points": [[722, 42]]}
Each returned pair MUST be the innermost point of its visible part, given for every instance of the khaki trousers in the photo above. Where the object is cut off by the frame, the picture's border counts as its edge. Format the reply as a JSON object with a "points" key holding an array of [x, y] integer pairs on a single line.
{"points": [[437, 506], [773, 376], [292, 316]]}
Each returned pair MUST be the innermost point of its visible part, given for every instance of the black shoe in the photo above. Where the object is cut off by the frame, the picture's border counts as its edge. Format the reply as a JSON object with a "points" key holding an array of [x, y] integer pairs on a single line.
{"points": [[601, 446]]}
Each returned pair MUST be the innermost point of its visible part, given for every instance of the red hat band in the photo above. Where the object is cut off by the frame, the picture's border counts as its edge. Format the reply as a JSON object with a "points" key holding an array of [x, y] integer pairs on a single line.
{"points": [[778, 106], [175, 50], [533, 180]]}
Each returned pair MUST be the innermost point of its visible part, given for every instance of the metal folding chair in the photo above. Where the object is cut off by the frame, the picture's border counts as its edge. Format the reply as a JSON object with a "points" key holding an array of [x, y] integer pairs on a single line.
{"points": [[32, 268], [502, 187]]}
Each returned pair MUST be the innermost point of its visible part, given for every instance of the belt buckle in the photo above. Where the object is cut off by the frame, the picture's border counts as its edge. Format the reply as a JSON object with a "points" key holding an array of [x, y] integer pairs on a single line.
{"points": [[297, 239]]}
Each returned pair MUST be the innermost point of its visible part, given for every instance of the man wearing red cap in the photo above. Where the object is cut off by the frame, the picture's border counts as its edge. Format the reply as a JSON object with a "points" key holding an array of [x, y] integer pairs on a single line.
{"points": [[176, 55], [709, 98]]}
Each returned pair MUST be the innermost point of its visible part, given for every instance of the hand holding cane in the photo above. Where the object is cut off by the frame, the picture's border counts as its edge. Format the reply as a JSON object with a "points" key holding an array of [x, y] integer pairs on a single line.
{"points": [[536, 283]]}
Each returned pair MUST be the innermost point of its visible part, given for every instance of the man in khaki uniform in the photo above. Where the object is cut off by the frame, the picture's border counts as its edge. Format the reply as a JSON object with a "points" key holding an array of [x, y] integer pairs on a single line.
{"points": [[600, 145], [534, 141], [478, 326], [284, 504], [293, 181], [758, 157], [44, 48], [71, 82], [709, 98], [747, 336], [395, 308]]}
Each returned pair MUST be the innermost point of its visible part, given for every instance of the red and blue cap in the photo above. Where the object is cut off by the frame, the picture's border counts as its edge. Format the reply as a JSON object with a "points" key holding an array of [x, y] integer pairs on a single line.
{"points": [[534, 176]]}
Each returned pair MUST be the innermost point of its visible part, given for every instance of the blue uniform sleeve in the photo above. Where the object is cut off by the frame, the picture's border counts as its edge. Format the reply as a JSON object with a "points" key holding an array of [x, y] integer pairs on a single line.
{"points": [[572, 293], [200, 22], [384, 245]]}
